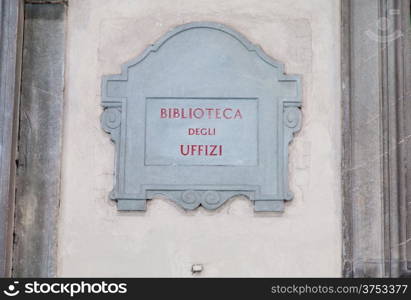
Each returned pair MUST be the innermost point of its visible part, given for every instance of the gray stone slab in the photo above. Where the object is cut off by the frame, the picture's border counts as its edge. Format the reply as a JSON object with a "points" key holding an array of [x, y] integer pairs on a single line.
{"points": [[376, 95], [10, 52], [201, 116], [38, 173]]}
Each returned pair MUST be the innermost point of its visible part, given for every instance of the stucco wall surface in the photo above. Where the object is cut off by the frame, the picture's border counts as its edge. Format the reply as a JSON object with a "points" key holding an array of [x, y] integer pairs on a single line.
{"points": [[97, 240]]}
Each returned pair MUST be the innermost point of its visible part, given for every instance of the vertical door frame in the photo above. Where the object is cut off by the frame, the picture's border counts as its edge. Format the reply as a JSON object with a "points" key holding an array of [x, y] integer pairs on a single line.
{"points": [[11, 27], [40, 136], [32, 37], [375, 52]]}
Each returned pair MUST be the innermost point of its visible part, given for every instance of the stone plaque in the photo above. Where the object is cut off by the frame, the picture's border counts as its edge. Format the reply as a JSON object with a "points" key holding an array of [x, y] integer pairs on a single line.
{"points": [[201, 116]]}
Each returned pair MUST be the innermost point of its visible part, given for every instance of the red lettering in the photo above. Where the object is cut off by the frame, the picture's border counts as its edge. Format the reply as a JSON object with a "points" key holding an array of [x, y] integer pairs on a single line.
{"points": [[198, 116], [185, 153], [193, 147], [183, 116], [213, 147], [225, 113], [176, 113], [238, 115], [201, 131], [217, 113], [200, 113], [209, 110], [201, 150]]}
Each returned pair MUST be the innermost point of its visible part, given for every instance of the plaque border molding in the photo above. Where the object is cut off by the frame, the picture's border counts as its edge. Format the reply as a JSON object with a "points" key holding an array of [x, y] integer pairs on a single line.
{"points": [[113, 91]]}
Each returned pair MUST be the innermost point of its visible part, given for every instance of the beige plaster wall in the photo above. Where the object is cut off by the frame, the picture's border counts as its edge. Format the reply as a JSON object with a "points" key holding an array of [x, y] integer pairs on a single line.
{"points": [[96, 240]]}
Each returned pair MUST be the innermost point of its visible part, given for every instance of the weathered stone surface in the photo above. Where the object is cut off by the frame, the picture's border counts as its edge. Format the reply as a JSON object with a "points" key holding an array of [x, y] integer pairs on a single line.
{"points": [[10, 53], [376, 95], [41, 117]]}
